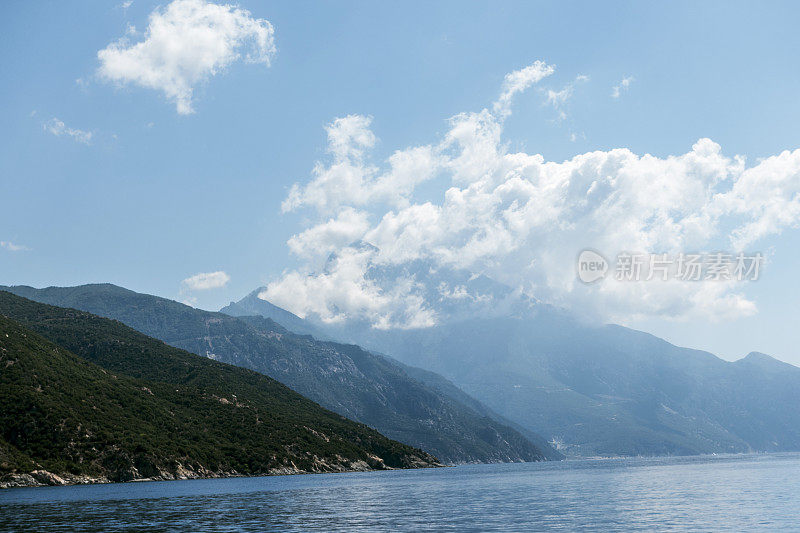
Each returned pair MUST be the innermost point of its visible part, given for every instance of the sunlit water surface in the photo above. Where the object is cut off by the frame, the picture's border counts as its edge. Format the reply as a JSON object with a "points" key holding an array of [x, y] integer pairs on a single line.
{"points": [[737, 493]]}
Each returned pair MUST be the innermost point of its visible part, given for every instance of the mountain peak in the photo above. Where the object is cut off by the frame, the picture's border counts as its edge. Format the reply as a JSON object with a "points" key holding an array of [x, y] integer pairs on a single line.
{"points": [[764, 361], [759, 356]]}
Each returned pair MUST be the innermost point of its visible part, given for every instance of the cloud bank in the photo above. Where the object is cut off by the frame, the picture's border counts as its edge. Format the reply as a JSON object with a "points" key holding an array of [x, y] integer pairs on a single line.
{"points": [[521, 220], [185, 44]]}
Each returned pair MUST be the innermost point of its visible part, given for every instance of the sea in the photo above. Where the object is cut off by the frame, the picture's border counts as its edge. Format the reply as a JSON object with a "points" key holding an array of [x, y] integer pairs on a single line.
{"points": [[702, 493]]}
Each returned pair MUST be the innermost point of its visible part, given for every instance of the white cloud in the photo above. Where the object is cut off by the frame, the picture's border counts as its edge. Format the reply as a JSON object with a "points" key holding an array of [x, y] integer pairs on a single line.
{"points": [[326, 237], [13, 247], [191, 301], [519, 80], [559, 98], [342, 291], [623, 85], [185, 44], [58, 128], [522, 220], [347, 179], [767, 196], [206, 280]]}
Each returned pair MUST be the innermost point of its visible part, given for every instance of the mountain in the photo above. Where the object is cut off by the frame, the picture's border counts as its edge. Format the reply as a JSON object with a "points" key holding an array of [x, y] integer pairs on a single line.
{"points": [[346, 379], [590, 389], [84, 398], [252, 305], [607, 390]]}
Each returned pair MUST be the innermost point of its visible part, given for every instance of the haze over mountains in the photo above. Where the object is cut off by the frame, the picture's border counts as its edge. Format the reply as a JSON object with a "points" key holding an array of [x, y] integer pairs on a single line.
{"points": [[360, 385], [590, 389]]}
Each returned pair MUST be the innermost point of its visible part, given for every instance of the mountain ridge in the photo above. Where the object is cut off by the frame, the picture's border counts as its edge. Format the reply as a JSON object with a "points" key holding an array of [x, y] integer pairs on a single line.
{"points": [[353, 382]]}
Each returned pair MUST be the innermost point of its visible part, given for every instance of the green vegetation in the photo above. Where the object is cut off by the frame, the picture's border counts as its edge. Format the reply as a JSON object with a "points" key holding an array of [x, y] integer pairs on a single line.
{"points": [[80, 394]]}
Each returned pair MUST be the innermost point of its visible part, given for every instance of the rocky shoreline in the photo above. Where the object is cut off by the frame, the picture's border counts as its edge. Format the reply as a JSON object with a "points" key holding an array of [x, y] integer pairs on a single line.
{"points": [[45, 478]]}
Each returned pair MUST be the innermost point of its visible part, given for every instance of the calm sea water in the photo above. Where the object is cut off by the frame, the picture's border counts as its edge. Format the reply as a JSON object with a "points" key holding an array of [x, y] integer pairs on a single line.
{"points": [[736, 493]]}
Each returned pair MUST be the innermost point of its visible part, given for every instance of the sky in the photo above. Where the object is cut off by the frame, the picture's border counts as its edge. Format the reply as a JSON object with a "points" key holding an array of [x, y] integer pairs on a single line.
{"points": [[197, 151]]}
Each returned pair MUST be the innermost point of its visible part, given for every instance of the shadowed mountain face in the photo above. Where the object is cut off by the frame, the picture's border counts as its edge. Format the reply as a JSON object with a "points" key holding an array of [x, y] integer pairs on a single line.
{"points": [[364, 386], [604, 390], [87, 396]]}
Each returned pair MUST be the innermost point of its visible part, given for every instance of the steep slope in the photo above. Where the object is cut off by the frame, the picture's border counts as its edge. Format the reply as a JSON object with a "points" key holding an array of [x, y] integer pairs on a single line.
{"points": [[447, 388], [346, 379], [130, 407], [361, 385], [253, 305]]}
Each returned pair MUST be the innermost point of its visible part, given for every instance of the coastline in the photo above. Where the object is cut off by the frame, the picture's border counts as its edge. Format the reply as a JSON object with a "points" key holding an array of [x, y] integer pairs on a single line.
{"points": [[45, 478]]}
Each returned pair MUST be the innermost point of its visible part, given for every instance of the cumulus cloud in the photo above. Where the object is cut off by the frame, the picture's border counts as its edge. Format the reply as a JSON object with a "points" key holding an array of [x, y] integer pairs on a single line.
{"points": [[342, 291], [617, 90], [326, 237], [206, 280], [186, 43], [349, 180], [519, 219], [58, 128], [13, 247], [767, 196]]}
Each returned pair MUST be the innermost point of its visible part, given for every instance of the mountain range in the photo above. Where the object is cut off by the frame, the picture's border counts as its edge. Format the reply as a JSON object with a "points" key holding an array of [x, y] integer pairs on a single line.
{"points": [[592, 390], [497, 387], [430, 413]]}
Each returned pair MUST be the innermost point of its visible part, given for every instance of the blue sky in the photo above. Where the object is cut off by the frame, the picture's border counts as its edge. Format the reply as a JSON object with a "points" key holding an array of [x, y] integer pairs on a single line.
{"points": [[156, 196]]}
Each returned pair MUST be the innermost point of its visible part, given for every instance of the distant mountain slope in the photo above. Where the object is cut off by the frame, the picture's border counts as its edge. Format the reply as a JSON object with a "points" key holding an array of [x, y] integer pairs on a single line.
{"points": [[346, 379], [447, 388], [606, 390], [252, 305], [128, 407]]}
